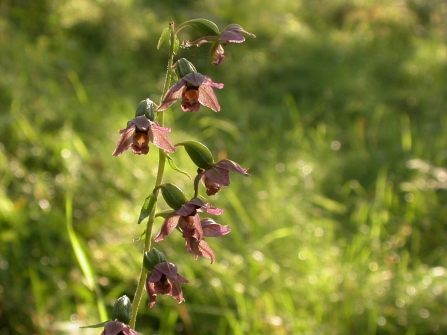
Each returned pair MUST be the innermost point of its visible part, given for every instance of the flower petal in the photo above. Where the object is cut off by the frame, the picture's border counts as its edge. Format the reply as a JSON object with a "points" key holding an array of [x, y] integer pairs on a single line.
{"points": [[125, 140], [161, 139], [213, 229], [231, 166], [168, 226], [172, 95], [208, 98], [200, 248], [231, 37]]}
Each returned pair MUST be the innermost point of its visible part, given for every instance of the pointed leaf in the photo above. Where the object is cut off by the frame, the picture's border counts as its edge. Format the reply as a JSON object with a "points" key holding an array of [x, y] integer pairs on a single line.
{"points": [[198, 153], [148, 207], [174, 167], [98, 325], [173, 195], [163, 36], [203, 26]]}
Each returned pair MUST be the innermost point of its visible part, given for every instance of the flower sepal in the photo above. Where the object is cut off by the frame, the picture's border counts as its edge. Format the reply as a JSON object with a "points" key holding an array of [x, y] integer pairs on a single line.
{"points": [[184, 67], [199, 153], [153, 258], [122, 310], [202, 26], [147, 108], [173, 195]]}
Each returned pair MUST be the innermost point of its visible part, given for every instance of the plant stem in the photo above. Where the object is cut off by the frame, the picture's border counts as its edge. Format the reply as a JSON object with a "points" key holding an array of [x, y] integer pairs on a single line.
{"points": [[158, 181]]}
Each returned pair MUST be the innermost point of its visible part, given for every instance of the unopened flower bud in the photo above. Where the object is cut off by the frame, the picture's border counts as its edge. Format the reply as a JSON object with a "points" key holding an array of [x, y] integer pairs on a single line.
{"points": [[199, 154], [146, 108], [122, 310], [184, 67], [153, 258], [173, 195]]}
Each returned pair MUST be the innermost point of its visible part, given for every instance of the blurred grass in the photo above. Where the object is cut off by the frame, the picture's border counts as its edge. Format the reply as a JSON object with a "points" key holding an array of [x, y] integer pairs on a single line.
{"points": [[337, 107]]}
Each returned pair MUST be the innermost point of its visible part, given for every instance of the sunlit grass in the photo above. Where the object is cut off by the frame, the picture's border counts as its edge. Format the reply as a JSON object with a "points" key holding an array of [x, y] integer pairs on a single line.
{"points": [[338, 111]]}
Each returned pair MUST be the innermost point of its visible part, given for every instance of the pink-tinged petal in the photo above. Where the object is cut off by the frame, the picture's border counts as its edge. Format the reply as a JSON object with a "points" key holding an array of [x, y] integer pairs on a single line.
{"points": [[218, 175], [168, 226], [125, 140], [219, 59], [172, 95], [204, 39], [140, 142], [211, 187], [237, 28], [231, 37], [208, 98], [142, 123], [155, 275], [113, 328], [213, 229], [161, 138], [231, 166], [195, 78], [150, 288], [209, 82], [191, 227], [200, 248]]}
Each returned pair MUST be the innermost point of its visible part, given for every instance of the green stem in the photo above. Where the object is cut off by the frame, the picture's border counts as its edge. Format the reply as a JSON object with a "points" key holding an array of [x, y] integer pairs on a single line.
{"points": [[161, 168]]}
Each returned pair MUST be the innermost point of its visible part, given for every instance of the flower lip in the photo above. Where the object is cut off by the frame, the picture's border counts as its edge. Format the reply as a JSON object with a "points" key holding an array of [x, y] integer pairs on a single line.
{"points": [[194, 89], [137, 135]]}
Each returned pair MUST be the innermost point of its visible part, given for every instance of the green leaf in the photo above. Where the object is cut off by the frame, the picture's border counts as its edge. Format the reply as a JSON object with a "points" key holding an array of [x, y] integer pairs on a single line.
{"points": [[163, 36], [198, 153], [203, 26], [148, 207], [173, 195], [174, 167], [176, 44], [98, 325]]}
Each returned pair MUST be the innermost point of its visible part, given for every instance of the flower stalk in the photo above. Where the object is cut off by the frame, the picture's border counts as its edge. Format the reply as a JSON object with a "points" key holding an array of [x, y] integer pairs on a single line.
{"points": [[159, 179]]}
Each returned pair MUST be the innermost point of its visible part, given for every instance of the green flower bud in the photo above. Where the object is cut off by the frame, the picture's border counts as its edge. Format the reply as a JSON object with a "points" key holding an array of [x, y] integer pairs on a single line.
{"points": [[203, 26], [173, 195], [184, 67], [146, 108], [199, 154], [122, 310], [153, 258]]}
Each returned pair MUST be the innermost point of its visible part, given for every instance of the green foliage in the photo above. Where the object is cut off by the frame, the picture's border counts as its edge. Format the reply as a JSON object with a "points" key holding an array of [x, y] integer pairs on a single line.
{"points": [[338, 108]]}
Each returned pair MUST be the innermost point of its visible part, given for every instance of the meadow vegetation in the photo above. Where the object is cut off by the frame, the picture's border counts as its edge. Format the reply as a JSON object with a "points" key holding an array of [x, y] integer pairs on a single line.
{"points": [[337, 107]]}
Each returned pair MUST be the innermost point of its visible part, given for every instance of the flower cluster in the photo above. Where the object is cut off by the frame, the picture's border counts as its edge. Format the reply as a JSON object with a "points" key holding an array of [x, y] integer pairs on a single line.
{"points": [[194, 90]]}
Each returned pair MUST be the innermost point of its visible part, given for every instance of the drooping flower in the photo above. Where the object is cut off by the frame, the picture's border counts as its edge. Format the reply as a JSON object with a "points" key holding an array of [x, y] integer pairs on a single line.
{"points": [[117, 328], [164, 279], [187, 219], [195, 89], [201, 248], [137, 135], [231, 34], [219, 175]]}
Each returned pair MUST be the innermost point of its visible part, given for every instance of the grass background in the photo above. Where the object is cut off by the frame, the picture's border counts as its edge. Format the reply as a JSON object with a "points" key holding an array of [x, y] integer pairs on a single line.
{"points": [[337, 107]]}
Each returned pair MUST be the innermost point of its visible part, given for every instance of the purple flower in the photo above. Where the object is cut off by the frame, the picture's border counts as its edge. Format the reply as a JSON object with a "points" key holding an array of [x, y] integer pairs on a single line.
{"points": [[139, 132], [194, 229], [231, 34], [164, 279], [117, 328], [187, 219], [195, 89], [201, 247], [219, 175]]}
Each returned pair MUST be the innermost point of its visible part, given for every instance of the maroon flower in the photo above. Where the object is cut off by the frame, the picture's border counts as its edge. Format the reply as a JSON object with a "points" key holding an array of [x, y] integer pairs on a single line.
{"points": [[219, 175], [187, 219], [164, 279], [117, 328], [195, 89], [139, 132], [231, 34], [201, 248]]}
